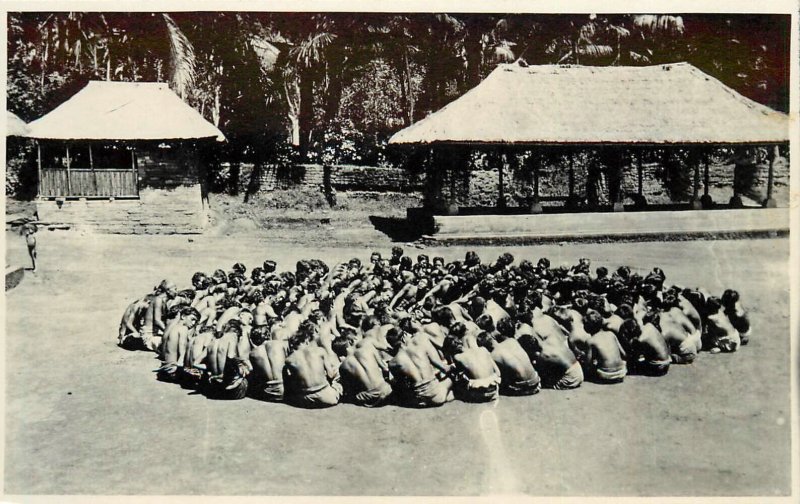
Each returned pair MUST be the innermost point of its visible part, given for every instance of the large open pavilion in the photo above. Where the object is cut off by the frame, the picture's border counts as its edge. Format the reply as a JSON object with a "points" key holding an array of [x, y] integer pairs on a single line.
{"points": [[522, 116]]}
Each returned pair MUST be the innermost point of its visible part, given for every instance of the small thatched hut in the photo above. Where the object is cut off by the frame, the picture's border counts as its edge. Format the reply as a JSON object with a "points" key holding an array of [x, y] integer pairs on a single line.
{"points": [[123, 156]]}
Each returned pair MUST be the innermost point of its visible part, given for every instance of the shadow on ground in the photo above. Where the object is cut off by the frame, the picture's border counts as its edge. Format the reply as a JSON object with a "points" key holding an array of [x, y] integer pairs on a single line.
{"points": [[14, 277], [398, 229]]}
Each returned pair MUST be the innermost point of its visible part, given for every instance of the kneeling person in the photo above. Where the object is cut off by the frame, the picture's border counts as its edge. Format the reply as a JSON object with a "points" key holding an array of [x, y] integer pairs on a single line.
{"points": [[477, 377], [362, 372], [518, 376], [268, 358], [310, 375]]}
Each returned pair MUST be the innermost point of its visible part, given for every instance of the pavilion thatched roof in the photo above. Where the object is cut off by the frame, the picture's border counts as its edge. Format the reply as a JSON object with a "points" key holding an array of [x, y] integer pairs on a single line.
{"points": [[124, 111], [550, 104]]}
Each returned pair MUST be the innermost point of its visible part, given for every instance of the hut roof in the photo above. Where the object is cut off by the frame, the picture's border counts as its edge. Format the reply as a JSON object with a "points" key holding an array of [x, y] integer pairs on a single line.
{"points": [[15, 126], [549, 104], [124, 111]]}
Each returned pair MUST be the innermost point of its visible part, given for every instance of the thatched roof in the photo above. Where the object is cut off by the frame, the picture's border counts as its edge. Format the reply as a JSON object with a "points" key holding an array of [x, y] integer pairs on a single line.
{"points": [[124, 111], [548, 104], [15, 126]]}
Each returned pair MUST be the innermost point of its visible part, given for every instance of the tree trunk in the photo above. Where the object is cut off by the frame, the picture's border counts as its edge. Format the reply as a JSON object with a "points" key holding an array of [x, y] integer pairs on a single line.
{"points": [[306, 116], [233, 180], [333, 95], [474, 52]]}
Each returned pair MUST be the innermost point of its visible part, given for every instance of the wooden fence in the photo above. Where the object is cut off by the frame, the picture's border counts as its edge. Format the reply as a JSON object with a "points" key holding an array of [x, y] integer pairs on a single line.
{"points": [[88, 183]]}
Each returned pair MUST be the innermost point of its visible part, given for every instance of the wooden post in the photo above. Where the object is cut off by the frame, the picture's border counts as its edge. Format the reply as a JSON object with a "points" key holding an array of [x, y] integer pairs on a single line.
{"points": [[535, 164], [640, 173], [135, 170], [69, 178], [39, 164], [94, 174], [571, 175], [696, 204], [618, 176], [501, 197], [772, 153]]}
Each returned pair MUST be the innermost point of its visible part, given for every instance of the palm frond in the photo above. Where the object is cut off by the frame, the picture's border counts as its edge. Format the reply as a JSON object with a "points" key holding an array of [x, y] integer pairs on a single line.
{"points": [[182, 63], [595, 50], [638, 58], [659, 23]]}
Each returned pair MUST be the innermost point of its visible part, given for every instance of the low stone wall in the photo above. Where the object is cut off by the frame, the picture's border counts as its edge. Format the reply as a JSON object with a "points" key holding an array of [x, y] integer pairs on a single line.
{"points": [[342, 178], [157, 211]]}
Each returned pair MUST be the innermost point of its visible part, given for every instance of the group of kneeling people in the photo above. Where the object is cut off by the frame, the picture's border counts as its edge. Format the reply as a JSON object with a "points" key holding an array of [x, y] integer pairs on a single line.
{"points": [[421, 333]]}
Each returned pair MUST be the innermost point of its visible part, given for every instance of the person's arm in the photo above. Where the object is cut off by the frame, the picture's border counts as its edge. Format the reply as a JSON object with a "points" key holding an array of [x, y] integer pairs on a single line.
{"points": [[435, 290], [331, 366], [433, 357], [183, 340], [128, 323], [397, 297], [622, 352], [469, 295], [381, 363], [158, 309]]}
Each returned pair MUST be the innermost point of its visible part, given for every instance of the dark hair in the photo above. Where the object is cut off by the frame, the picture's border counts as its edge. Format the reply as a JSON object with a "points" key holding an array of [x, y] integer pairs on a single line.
{"points": [[625, 311], [189, 294], [393, 337], [505, 259], [260, 334], [453, 345], [190, 311], [713, 305], [239, 268], [602, 272], [234, 326], [506, 328], [443, 316], [486, 340], [199, 277], [592, 322], [629, 330], [397, 250], [729, 297], [340, 346], [458, 329], [257, 271], [543, 263], [485, 322], [270, 266]]}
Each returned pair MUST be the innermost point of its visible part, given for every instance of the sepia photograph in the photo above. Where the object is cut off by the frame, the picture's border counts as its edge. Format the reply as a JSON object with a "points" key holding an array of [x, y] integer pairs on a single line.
{"points": [[381, 254]]}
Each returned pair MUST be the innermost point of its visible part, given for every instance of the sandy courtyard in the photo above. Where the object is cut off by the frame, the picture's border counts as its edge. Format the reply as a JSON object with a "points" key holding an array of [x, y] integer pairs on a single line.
{"points": [[85, 417]]}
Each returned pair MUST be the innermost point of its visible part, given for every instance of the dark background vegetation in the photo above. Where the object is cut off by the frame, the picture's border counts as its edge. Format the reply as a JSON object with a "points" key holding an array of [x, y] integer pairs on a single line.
{"points": [[331, 88]]}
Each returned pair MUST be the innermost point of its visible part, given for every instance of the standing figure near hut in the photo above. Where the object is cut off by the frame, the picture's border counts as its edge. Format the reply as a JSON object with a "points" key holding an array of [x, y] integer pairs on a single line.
{"points": [[29, 232]]}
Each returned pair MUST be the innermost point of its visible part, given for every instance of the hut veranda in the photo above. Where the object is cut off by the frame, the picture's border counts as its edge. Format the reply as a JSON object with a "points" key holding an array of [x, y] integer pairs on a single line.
{"points": [[123, 156], [521, 114]]}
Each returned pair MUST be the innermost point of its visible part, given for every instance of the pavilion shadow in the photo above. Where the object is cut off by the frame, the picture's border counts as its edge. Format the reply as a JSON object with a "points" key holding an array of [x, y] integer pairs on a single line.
{"points": [[399, 229]]}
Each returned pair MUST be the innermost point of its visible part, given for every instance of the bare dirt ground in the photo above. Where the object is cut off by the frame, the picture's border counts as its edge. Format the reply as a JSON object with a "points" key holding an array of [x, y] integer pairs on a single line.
{"points": [[85, 417]]}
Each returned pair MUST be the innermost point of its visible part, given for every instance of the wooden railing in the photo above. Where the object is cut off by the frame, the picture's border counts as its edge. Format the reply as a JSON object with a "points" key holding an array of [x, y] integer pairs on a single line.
{"points": [[88, 183]]}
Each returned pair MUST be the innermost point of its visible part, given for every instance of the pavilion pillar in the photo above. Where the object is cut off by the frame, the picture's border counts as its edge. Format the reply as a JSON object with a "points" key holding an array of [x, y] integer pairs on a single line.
{"points": [[736, 199], [39, 165], [571, 176], [696, 205], [706, 200], [618, 175], [69, 177], [501, 196], [535, 164], [772, 154], [640, 174]]}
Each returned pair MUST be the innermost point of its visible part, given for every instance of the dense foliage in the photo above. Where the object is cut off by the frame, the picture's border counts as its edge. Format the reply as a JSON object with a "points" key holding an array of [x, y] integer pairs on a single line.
{"points": [[337, 85]]}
